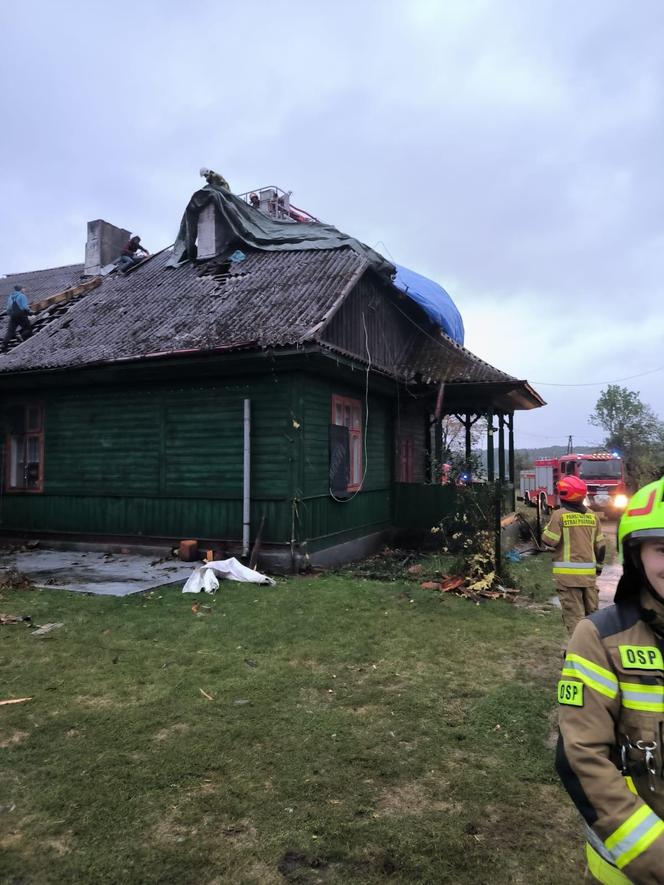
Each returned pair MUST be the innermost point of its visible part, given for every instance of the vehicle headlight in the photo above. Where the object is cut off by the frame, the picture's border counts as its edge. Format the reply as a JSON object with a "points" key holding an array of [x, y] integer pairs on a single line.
{"points": [[620, 501]]}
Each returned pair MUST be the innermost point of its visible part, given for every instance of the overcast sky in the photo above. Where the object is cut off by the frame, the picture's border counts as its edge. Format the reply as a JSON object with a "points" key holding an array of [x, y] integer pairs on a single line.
{"points": [[511, 151]]}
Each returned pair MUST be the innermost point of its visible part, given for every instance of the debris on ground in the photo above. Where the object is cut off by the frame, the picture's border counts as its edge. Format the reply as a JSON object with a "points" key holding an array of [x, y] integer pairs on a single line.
{"points": [[199, 609], [474, 590], [14, 701], [205, 577], [44, 629], [206, 695], [15, 619], [13, 579]]}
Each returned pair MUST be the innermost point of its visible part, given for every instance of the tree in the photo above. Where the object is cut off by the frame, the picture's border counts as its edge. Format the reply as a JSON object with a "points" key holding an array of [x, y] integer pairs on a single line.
{"points": [[634, 430]]}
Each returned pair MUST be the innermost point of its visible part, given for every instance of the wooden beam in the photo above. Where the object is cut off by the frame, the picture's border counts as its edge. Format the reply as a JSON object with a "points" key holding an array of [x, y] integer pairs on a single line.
{"points": [[66, 294]]}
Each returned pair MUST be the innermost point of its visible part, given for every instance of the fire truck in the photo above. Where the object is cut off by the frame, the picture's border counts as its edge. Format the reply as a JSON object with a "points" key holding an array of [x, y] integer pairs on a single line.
{"points": [[603, 473]]}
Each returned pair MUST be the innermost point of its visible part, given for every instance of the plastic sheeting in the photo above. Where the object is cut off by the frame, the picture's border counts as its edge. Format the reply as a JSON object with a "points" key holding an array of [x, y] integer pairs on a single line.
{"points": [[433, 299], [250, 226], [205, 576]]}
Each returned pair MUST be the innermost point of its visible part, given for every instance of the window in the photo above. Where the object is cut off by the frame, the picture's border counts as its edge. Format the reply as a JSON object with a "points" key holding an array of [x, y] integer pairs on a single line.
{"points": [[25, 448], [348, 413]]}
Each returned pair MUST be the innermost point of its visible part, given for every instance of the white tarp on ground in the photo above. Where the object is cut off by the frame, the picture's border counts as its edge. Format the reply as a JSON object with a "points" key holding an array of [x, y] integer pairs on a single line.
{"points": [[205, 577]]}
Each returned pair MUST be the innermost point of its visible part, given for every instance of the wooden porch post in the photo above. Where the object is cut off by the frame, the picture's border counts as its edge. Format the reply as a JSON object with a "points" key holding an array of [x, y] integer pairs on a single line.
{"points": [[490, 472], [468, 424], [501, 447], [510, 427]]}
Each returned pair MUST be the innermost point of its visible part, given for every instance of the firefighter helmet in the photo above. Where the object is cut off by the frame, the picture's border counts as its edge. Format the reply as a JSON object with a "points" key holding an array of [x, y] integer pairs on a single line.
{"points": [[572, 488], [644, 515], [643, 519]]}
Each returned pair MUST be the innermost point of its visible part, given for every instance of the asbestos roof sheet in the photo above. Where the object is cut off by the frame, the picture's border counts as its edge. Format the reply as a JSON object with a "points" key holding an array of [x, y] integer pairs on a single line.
{"points": [[437, 359], [40, 283], [269, 299]]}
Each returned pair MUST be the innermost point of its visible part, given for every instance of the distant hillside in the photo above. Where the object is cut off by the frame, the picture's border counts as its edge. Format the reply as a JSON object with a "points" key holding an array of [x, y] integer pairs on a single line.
{"points": [[552, 452]]}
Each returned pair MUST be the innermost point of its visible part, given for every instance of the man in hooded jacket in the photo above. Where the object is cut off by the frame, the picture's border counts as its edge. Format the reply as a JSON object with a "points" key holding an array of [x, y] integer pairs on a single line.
{"points": [[611, 698]]}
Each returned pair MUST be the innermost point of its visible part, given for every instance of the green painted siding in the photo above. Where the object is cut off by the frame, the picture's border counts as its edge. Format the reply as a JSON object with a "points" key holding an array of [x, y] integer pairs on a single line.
{"points": [[322, 521], [161, 461], [166, 461]]}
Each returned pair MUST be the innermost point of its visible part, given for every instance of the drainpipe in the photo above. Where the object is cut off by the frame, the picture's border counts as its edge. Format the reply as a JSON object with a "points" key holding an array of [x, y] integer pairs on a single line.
{"points": [[246, 486]]}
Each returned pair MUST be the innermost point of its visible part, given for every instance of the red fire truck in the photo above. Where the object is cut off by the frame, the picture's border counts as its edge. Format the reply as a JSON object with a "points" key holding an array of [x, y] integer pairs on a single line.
{"points": [[603, 473]]}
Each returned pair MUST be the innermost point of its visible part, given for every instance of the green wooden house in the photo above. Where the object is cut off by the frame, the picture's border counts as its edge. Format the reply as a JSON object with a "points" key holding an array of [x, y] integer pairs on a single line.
{"points": [[293, 389]]}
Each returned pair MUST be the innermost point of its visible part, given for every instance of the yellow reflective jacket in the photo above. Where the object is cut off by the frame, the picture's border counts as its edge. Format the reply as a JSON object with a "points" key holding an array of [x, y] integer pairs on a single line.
{"points": [[579, 545], [609, 756]]}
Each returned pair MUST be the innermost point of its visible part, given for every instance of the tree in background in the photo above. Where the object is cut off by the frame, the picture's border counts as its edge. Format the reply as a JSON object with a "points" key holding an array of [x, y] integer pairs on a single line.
{"points": [[633, 430]]}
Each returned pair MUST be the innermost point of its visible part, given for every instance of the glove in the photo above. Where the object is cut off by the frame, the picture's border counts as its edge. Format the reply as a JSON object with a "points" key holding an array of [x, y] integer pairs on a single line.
{"points": [[598, 569]]}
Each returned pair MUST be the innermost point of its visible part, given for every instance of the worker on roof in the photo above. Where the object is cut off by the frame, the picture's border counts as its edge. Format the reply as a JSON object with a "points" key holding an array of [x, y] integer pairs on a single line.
{"points": [[611, 712], [18, 311], [575, 534], [255, 201], [129, 256], [214, 178]]}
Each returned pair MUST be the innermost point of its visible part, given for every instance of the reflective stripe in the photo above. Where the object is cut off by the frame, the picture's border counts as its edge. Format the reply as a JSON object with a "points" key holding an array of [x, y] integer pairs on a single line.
{"points": [[636, 696], [594, 676], [573, 568], [566, 553], [602, 870], [575, 565], [634, 836], [547, 534]]}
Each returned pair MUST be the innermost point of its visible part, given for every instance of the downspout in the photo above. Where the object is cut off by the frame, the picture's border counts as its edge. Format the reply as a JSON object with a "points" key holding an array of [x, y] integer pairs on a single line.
{"points": [[246, 486]]}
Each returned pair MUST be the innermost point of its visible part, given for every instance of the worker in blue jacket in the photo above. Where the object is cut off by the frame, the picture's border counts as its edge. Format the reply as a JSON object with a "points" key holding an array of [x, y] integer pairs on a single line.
{"points": [[19, 312]]}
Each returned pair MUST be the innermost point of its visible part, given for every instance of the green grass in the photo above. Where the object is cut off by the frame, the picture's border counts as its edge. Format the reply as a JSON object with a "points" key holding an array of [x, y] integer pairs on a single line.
{"points": [[360, 731]]}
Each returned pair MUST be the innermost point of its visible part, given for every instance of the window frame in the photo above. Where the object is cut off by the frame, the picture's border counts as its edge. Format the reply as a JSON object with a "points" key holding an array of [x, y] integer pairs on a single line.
{"points": [[32, 431], [355, 417]]}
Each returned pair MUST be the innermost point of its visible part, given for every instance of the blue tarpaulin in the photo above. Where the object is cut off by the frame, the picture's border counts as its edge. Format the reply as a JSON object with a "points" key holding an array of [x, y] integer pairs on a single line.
{"points": [[433, 299]]}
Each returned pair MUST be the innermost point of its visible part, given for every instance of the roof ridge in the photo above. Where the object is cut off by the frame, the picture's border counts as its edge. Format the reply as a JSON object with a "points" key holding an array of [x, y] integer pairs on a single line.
{"points": [[25, 273]]}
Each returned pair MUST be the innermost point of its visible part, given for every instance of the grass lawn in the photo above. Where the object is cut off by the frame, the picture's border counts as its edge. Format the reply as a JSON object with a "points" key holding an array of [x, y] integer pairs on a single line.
{"points": [[351, 731]]}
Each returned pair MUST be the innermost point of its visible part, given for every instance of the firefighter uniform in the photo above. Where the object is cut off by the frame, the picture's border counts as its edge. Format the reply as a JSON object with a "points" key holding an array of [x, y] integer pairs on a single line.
{"points": [[611, 717], [576, 535]]}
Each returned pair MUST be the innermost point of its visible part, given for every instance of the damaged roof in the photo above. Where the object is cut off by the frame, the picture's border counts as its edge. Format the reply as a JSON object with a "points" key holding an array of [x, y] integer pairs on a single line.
{"points": [[41, 283], [270, 299]]}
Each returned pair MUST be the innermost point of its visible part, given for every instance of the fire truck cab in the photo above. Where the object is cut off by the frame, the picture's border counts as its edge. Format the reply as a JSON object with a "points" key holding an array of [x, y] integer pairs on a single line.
{"points": [[602, 472]]}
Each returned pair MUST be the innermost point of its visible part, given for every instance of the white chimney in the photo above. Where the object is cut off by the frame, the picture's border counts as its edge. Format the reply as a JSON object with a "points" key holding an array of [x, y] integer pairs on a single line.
{"points": [[213, 233], [104, 244]]}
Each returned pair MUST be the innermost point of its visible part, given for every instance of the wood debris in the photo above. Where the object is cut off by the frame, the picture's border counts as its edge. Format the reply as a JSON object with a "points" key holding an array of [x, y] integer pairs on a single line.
{"points": [[475, 591]]}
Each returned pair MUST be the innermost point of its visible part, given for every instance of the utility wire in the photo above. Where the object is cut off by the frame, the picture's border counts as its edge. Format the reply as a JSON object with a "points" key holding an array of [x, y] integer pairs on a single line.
{"points": [[600, 383], [542, 383]]}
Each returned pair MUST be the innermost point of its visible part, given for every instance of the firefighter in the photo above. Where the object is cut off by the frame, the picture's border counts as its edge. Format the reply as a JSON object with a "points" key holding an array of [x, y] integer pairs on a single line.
{"points": [[575, 533], [611, 698]]}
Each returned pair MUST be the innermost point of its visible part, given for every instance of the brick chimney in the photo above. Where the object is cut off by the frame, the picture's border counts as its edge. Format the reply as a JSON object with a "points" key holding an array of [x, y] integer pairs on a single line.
{"points": [[104, 244]]}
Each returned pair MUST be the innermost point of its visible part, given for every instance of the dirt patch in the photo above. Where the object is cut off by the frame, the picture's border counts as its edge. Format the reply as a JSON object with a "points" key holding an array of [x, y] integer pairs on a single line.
{"points": [[368, 710], [413, 799], [60, 845], [171, 731], [309, 665], [16, 737], [13, 579], [551, 740]]}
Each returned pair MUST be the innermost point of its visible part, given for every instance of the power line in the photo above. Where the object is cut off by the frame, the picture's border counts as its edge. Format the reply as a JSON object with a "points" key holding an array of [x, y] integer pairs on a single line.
{"points": [[599, 383], [539, 383]]}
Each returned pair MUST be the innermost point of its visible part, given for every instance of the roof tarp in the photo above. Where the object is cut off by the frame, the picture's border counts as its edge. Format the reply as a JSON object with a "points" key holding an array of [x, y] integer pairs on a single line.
{"points": [[254, 228], [433, 299]]}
